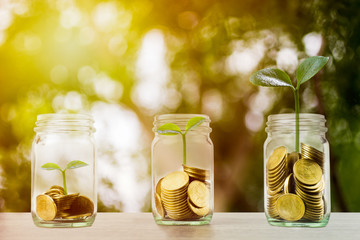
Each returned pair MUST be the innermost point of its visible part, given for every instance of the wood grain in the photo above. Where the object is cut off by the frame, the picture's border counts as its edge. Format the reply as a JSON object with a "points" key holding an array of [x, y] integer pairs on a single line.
{"points": [[245, 226]]}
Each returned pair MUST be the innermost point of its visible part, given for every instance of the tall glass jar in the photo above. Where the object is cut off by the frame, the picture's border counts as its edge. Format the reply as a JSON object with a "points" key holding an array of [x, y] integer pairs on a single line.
{"points": [[297, 184], [63, 171], [182, 155]]}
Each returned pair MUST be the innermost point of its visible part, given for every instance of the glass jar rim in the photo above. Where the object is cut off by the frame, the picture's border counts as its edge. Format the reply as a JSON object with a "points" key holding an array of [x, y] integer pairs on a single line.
{"points": [[287, 121], [64, 122], [179, 116], [291, 116]]}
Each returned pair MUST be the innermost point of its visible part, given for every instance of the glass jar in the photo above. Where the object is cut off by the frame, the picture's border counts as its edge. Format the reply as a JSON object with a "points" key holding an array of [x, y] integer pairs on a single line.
{"points": [[297, 184], [182, 165], [63, 171]]}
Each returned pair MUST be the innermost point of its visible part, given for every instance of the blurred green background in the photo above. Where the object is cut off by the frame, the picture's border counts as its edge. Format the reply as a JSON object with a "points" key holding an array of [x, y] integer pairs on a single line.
{"points": [[126, 61]]}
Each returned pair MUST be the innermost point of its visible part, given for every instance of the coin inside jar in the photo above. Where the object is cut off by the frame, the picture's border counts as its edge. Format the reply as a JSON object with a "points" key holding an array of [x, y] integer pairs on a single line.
{"points": [[199, 194], [290, 207], [307, 172], [174, 181], [158, 205], [45, 207]]}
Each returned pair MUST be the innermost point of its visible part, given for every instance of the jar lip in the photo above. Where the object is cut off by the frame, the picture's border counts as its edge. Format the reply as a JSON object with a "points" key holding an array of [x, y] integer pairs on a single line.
{"points": [[291, 116], [179, 116], [287, 122], [64, 122], [64, 116]]}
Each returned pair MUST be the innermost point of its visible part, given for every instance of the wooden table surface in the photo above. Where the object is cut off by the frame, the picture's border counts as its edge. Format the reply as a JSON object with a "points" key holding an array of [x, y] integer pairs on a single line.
{"points": [[244, 226]]}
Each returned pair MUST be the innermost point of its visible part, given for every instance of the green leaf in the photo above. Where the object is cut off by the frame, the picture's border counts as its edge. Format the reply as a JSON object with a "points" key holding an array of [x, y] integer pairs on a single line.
{"points": [[309, 67], [193, 123], [271, 77], [75, 164], [169, 129], [51, 166]]}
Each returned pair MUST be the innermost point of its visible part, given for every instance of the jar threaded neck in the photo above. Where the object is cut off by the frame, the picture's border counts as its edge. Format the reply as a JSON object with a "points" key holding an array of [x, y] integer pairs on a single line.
{"points": [[287, 122], [60, 122]]}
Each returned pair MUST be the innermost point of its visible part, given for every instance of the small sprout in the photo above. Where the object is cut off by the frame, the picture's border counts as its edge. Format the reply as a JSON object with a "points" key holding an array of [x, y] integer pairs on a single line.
{"points": [[173, 129], [71, 165]]}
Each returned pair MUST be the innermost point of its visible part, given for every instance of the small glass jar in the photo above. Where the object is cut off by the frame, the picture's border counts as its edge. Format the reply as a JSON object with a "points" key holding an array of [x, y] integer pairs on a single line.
{"points": [[63, 171], [297, 184], [182, 165]]}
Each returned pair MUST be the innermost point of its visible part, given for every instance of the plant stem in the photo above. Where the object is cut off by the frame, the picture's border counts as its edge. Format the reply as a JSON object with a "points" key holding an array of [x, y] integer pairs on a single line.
{"points": [[184, 147], [64, 182], [297, 125]]}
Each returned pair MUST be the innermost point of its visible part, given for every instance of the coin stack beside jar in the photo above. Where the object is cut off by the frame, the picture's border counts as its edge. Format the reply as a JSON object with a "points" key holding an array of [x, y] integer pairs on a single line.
{"points": [[54, 204], [182, 195], [295, 184]]}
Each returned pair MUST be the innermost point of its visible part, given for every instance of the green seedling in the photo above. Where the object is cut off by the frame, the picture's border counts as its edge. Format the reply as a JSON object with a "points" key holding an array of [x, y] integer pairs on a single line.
{"points": [[71, 165], [273, 77], [173, 129]]}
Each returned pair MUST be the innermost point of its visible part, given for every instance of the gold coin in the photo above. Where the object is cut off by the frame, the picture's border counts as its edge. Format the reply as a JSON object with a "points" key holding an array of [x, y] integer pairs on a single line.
{"points": [[201, 212], [176, 193], [194, 176], [174, 204], [81, 205], [307, 172], [45, 207], [63, 202], [290, 207], [57, 187], [78, 216], [159, 206], [289, 184], [174, 181], [276, 158], [158, 187], [199, 194], [203, 173]]}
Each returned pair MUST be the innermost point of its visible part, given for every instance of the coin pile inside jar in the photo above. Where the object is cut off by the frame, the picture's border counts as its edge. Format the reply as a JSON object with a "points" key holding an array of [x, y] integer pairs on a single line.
{"points": [[54, 204], [295, 184], [182, 195]]}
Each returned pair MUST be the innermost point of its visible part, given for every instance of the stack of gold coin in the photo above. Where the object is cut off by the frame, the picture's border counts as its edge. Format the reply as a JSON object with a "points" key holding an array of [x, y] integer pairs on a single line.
{"points": [[63, 203], [55, 191], [271, 206], [174, 188], [276, 171], [71, 206], [81, 207], [311, 153], [309, 185], [197, 173]]}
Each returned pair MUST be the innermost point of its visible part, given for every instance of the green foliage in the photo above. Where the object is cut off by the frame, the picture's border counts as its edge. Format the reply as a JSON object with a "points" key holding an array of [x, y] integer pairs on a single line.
{"points": [[193, 123], [75, 164], [169, 129], [173, 129], [308, 68], [71, 165], [51, 166], [272, 77]]}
